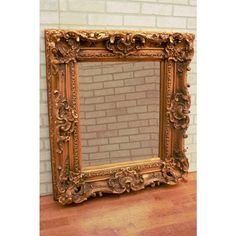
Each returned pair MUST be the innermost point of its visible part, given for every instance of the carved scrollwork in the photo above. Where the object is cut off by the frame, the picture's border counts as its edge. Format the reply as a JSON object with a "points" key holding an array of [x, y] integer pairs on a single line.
{"points": [[180, 47], [123, 44], [65, 46], [178, 111], [66, 118], [126, 179], [71, 185]]}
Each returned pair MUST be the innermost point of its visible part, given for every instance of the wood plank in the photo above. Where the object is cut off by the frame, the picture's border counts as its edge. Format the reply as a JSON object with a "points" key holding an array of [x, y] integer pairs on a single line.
{"points": [[164, 210]]}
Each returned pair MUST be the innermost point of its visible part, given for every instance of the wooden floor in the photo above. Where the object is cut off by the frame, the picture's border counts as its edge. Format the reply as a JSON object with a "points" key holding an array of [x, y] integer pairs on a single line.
{"points": [[159, 211]]}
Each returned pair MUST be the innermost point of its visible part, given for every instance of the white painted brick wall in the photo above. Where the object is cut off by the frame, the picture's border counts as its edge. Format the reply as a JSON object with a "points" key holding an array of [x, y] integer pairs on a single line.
{"points": [[101, 14]]}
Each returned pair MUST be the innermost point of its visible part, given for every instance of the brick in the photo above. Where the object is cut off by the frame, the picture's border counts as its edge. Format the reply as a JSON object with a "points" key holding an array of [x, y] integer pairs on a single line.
{"points": [[121, 153], [126, 103], [71, 18], [106, 120], [119, 140], [129, 131], [129, 145], [94, 100], [109, 133], [84, 143], [139, 20], [110, 147], [145, 87], [141, 151], [138, 123], [44, 132], [149, 115], [94, 128], [113, 84], [102, 19], [134, 81], [89, 149], [156, 9], [99, 155], [128, 89], [115, 98], [94, 142], [48, 5], [125, 75], [89, 72], [171, 22], [153, 94], [103, 92], [137, 109], [95, 114], [85, 94], [143, 73], [117, 111], [123, 7], [184, 2], [149, 129], [89, 135], [87, 5], [45, 177], [112, 69], [191, 25], [87, 122], [150, 143], [46, 144], [45, 155], [139, 137], [136, 95], [146, 101], [90, 86], [102, 78], [184, 11], [90, 107], [120, 125], [105, 106], [153, 107], [43, 189], [49, 17]]}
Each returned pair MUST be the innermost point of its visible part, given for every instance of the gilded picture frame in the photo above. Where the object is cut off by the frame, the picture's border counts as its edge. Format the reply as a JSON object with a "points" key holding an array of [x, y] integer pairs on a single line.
{"points": [[64, 49]]}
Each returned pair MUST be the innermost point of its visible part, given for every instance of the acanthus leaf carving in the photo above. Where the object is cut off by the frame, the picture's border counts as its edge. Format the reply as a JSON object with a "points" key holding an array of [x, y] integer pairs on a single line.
{"points": [[123, 44], [126, 179], [66, 118], [178, 111]]}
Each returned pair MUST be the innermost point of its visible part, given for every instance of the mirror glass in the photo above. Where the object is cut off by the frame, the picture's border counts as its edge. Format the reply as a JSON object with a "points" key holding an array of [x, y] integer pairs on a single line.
{"points": [[119, 111]]}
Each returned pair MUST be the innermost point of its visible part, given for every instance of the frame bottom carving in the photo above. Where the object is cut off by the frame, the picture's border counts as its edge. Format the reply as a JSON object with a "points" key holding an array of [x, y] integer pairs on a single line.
{"points": [[78, 187]]}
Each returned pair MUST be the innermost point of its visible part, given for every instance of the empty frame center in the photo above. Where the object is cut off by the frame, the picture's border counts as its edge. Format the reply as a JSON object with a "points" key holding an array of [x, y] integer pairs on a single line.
{"points": [[119, 111]]}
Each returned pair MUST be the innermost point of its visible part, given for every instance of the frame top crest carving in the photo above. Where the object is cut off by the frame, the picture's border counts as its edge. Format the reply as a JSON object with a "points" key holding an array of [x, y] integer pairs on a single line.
{"points": [[67, 45]]}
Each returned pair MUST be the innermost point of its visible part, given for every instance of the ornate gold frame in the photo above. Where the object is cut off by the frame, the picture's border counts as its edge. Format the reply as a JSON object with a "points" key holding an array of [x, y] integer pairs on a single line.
{"points": [[64, 48]]}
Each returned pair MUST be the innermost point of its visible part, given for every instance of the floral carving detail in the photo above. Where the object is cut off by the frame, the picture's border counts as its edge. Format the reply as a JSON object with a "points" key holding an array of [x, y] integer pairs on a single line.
{"points": [[65, 46], [178, 112], [123, 44], [125, 180], [66, 120], [71, 185], [180, 47]]}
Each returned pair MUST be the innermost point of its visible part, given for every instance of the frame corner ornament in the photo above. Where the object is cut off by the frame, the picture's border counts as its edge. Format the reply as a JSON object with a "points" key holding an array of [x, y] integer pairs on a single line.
{"points": [[64, 49]]}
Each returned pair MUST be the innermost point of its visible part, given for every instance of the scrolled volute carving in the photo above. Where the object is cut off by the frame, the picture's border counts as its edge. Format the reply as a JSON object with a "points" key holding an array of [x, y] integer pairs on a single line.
{"points": [[178, 111], [179, 47], [65, 46], [123, 44], [71, 186], [126, 179], [66, 118]]}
